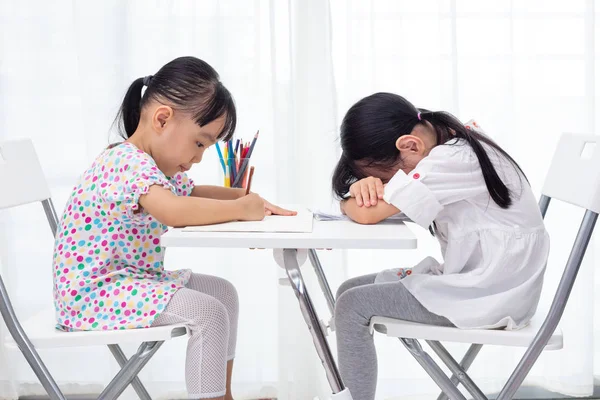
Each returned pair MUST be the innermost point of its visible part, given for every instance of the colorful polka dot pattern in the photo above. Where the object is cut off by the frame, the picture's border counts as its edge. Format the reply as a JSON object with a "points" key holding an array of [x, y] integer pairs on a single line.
{"points": [[108, 262]]}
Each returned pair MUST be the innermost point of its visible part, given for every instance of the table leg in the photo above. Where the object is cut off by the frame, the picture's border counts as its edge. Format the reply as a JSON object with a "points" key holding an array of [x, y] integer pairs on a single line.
{"points": [[314, 260], [310, 316]]}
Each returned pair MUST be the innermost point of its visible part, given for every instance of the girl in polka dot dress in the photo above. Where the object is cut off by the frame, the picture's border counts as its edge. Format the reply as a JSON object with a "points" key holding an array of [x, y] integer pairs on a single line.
{"points": [[108, 262]]}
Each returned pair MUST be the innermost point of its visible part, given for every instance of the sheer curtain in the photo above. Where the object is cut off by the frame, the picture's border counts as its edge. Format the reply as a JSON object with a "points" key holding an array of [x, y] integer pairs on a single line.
{"points": [[525, 70]]}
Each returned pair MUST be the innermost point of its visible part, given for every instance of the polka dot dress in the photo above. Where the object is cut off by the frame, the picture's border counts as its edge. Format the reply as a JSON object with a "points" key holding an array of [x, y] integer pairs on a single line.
{"points": [[108, 262]]}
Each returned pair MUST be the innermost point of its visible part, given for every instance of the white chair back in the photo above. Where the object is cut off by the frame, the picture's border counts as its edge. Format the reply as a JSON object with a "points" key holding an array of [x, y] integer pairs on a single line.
{"points": [[21, 177], [574, 173]]}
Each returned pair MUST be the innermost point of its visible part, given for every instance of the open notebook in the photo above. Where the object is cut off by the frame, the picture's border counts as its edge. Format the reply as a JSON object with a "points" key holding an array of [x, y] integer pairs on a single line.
{"points": [[332, 216], [331, 212], [300, 223]]}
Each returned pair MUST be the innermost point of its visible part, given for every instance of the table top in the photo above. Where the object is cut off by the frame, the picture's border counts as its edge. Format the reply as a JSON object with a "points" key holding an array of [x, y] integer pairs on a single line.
{"points": [[325, 234]]}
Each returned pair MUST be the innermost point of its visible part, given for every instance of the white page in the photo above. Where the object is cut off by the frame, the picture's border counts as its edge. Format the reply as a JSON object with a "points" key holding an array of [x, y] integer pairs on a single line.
{"points": [[300, 223], [332, 212]]}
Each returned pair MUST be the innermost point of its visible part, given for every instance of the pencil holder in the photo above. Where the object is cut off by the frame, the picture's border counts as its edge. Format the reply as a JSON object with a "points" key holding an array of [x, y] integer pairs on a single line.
{"points": [[233, 170]]}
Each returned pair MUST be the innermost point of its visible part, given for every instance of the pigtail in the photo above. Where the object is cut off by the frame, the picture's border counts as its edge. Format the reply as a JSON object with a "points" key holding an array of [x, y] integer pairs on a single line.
{"points": [[448, 127], [128, 117]]}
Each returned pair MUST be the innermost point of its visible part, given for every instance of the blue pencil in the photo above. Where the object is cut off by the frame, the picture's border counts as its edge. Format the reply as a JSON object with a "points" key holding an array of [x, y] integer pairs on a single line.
{"points": [[220, 157], [231, 163]]}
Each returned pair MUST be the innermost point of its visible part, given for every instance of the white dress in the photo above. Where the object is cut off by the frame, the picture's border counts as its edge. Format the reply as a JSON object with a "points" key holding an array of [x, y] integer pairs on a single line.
{"points": [[494, 258]]}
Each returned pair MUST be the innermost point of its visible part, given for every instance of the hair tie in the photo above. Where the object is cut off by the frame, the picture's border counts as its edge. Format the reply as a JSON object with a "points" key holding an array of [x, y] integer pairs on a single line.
{"points": [[147, 80], [419, 115]]}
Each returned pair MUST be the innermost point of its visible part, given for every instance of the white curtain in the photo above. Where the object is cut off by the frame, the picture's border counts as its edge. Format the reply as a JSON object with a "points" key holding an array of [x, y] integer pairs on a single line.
{"points": [[524, 70]]}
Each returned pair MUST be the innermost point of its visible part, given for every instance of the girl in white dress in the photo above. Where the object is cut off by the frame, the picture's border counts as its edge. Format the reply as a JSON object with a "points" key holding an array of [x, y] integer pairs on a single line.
{"points": [[455, 181]]}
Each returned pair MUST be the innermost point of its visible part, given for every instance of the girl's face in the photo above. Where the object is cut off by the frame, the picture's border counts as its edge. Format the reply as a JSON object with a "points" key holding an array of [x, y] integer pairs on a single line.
{"points": [[178, 142]]}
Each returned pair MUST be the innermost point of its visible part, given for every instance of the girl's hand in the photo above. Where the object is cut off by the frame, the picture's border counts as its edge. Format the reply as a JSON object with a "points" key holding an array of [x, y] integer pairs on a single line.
{"points": [[252, 206], [271, 209], [367, 191]]}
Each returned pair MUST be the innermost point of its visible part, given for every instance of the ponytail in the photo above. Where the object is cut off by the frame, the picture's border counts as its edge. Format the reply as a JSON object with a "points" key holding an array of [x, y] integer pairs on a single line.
{"points": [[448, 127], [128, 117]]}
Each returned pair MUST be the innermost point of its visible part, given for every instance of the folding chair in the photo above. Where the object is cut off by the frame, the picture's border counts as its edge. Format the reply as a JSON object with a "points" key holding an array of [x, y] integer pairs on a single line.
{"points": [[20, 171], [574, 177]]}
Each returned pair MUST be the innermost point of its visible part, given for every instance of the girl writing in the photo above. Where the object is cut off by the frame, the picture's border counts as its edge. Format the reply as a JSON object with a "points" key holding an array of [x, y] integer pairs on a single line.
{"points": [[108, 262]]}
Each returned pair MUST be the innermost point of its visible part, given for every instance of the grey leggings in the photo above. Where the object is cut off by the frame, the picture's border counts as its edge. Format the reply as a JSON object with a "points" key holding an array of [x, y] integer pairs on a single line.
{"points": [[358, 300], [209, 307]]}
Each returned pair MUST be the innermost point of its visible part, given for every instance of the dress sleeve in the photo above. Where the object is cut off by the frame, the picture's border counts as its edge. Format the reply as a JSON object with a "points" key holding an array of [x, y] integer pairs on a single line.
{"points": [[450, 173], [123, 179], [183, 184]]}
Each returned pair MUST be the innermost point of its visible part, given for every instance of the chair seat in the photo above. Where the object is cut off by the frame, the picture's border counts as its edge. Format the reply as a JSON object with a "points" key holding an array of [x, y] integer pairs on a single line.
{"points": [[41, 330], [517, 338]]}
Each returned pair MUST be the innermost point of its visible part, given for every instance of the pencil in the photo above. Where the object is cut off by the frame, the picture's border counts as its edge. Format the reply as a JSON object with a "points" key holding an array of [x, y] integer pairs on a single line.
{"points": [[244, 179], [220, 157], [245, 173], [246, 160], [249, 180], [232, 171]]}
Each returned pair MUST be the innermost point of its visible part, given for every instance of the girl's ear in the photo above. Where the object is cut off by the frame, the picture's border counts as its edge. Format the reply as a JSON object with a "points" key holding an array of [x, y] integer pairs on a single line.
{"points": [[410, 144], [162, 115]]}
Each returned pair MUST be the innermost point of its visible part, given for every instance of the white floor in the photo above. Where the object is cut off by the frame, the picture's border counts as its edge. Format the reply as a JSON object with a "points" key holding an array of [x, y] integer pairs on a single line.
{"points": [[525, 393]]}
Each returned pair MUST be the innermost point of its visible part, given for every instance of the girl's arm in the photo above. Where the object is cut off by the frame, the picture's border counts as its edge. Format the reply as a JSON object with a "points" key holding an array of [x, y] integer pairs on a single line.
{"points": [[172, 210], [367, 215], [217, 192]]}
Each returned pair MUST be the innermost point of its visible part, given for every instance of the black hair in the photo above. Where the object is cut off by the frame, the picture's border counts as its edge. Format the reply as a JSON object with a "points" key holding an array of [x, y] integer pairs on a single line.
{"points": [[187, 84], [372, 126]]}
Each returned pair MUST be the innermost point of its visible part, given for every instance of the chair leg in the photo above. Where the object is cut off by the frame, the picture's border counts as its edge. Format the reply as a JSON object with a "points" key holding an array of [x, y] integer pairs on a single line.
{"points": [[136, 383], [465, 364], [432, 369], [130, 370], [51, 215], [457, 370], [26, 347]]}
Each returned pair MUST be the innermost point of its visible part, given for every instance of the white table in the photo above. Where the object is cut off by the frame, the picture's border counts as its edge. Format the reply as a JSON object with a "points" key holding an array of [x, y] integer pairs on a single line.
{"points": [[325, 235]]}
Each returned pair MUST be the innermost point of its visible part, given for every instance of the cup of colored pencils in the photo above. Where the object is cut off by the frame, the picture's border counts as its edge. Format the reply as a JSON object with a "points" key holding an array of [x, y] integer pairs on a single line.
{"points": [[234, 157]]}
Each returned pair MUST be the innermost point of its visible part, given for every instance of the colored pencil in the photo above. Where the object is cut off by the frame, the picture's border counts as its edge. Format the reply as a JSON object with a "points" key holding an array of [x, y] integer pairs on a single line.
{"points": [[232, 171], [220, 157], [250, 180], [246, 161]]}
